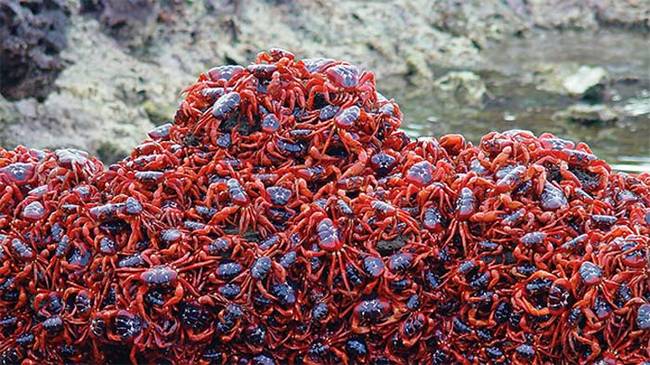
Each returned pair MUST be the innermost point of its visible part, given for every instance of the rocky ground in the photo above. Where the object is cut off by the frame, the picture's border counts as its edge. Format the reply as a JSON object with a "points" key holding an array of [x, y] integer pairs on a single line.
{"points": [[106, 71]]}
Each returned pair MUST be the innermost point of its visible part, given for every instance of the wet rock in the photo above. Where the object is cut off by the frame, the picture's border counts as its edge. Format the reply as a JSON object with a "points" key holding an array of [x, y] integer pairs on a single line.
{"points": [[636, 106], [572, 79], [464, 86], [585, 79], [588, 114], [32, 35]]}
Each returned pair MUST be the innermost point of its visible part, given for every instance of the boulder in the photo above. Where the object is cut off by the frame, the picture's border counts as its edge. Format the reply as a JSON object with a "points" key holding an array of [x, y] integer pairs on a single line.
{"points": [[588, 114], [571, 79], [463, 86]]}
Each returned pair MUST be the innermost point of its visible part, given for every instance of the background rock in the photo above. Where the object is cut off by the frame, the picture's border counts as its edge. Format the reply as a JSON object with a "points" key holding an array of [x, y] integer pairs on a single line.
{"points": [[570, 78], [588, 114], [32, 34], [464, 86], [127, 62]]}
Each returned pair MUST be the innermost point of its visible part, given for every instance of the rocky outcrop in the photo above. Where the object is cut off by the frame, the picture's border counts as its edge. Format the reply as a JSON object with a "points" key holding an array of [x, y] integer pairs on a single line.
{"points": [[571, 79], [126, 62]]}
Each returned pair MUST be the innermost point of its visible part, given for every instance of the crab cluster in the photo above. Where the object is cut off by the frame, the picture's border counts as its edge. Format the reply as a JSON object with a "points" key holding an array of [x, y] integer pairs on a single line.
{"points": [[284, 218]]}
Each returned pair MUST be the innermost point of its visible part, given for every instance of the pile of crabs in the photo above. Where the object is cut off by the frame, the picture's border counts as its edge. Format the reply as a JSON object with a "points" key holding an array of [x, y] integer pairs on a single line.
{"points": [[283, 218]]}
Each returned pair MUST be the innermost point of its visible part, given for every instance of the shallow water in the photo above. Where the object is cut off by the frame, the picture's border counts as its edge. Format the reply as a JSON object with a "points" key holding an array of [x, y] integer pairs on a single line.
{"points": [[513, 102]]}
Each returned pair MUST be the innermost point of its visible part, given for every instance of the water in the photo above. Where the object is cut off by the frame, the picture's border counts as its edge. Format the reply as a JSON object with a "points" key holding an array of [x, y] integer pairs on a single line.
{"points": [[514, 102]]}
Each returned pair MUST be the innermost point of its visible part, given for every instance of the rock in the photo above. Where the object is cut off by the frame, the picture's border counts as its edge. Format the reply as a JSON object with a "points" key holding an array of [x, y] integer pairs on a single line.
{"points": [[562, 14], [624, 13], [638, 106], [480, 21], [32, 36], [127, 60], [105, 103], [584, 79], [8, 116], [131, 22], [463, 86], [418, 71], [158, 114], [571, 79], [588, 114], [27, 107]]}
